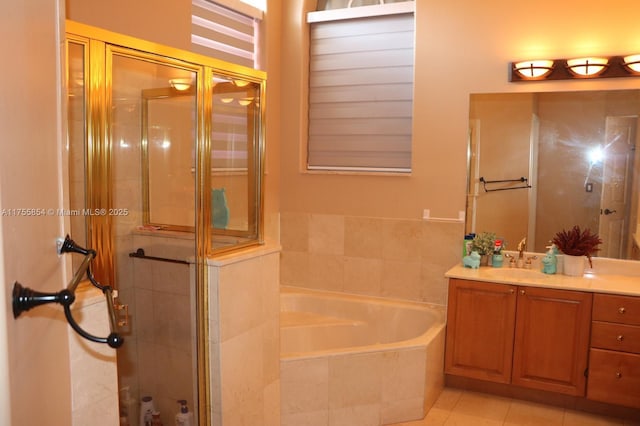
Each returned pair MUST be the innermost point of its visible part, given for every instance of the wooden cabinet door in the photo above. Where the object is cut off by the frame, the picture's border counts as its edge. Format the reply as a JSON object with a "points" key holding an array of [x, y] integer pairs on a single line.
{"points": [[480, 326], [552, 340]]}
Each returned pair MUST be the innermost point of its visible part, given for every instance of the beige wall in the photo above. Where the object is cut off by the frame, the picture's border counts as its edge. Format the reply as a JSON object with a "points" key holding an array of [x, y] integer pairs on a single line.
{"points": [[166, 22], [31, 177], [462, 48]]}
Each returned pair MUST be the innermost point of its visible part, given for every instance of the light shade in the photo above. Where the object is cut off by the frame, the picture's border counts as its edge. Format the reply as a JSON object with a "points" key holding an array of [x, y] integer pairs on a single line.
{"points": [[587, 67], [180, 84], [632, 62], [533, 70]]}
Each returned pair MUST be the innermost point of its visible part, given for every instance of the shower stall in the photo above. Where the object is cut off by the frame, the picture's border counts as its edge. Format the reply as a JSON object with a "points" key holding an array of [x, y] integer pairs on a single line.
{"points": [[165, 159]]}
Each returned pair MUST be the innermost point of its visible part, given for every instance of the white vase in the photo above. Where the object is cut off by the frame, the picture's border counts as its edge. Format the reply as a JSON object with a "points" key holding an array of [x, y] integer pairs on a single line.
{"points": [[574, 265]]}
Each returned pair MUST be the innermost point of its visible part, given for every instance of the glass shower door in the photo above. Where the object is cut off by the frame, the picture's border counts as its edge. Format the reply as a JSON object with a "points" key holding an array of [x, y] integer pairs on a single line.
{"points": [[132, 121], [152, 127]]}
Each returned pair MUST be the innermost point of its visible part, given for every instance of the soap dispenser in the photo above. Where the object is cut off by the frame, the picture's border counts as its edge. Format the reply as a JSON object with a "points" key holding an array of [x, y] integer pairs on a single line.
{"points": [[184, 417], [550, 261]]}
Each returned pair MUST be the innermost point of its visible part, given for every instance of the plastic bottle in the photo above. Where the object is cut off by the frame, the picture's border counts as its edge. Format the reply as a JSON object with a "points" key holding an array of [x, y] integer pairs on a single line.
{"points": [[146, 410], [184, 417], [466, 245]]}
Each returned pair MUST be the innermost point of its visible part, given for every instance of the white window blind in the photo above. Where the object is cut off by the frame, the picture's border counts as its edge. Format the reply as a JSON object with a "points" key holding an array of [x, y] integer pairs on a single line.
{"points": [[223, 33], [361, 93]]}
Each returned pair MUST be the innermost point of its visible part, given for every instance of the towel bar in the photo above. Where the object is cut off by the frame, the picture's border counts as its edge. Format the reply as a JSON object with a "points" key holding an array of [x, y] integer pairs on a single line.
{"points": [[141, 255], [25, 299], [523, 180]]}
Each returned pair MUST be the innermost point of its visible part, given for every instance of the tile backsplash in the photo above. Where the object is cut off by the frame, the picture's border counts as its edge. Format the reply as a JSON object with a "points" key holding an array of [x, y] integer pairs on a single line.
{"points": [[394, 258]]}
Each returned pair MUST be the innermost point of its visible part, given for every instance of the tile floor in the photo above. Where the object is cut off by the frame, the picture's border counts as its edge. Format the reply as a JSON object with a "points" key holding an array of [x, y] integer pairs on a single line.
{"points": [[457, 407]]}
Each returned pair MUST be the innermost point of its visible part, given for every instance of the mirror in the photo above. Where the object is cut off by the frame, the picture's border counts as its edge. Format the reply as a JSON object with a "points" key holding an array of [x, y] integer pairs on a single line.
{"points": [[168, 158], [543, 162], [235, 155]]}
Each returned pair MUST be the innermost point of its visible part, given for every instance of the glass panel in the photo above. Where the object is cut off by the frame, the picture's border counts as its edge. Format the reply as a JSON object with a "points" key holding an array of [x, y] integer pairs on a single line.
{"points": [[168, 156], [235, 162], [76, 112], [152, 130]]}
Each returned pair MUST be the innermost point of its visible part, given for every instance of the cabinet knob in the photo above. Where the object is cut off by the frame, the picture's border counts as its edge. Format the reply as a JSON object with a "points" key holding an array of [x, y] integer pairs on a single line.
{"points": [[620, 338], [621, 310], [522, 292], [511, 291], [618, 375]]}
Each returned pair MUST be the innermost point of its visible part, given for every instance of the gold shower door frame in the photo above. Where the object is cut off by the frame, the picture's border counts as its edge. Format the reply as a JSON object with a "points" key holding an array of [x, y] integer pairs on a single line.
{"points": [[100, 46]]}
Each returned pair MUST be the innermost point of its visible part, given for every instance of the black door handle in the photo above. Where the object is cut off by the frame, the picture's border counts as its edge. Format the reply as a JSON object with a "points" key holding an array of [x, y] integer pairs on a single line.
{"points": [[608, 212]]}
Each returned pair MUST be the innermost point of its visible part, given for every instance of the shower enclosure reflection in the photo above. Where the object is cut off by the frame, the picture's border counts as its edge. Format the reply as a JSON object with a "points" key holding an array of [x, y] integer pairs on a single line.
{"points": [[578, 151], [235, 159], [168, 160]]}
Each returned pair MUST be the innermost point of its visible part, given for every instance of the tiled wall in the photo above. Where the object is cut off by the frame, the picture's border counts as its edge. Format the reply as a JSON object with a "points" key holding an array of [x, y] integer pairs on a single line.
{"points": [[93, 365], [395, 258], [157, 358], [244, 309], [357, 389]]}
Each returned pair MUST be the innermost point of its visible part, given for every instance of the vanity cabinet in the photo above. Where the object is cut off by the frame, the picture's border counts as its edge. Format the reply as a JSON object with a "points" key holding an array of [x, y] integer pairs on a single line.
{"points": [[614, 357], [480, 330], [551, 346], [527, 336]]}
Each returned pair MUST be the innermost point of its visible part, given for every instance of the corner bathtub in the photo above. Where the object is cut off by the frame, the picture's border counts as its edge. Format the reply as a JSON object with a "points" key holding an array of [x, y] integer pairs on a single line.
{"points": [[357, 360]]}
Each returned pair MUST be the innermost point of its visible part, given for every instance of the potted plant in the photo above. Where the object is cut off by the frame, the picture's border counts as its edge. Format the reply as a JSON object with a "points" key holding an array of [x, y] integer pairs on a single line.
{"points": [[577, 243], [484, 244]]}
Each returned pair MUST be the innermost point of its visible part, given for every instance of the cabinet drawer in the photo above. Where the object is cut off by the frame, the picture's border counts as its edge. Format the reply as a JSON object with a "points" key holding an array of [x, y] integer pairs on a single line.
{"points": [[614, 308], [614, 377], [617, 337]]}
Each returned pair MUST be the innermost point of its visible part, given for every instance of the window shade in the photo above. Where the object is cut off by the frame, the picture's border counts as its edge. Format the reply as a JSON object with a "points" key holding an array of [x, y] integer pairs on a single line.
{"points": [[222, 33], [361, 93]]}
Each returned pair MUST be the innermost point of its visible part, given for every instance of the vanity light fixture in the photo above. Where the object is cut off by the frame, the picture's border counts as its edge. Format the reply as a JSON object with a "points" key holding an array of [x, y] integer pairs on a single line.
{"points": [[587, 67], [533, 70], [578, 68], [632, 62], [180, 84]]}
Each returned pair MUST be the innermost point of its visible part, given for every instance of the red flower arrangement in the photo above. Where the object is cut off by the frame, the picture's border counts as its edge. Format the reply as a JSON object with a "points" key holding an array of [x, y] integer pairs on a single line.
{"points": [[577, 242]]}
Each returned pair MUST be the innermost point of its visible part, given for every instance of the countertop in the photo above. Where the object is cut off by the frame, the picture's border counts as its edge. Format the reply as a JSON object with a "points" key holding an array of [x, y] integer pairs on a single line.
{"points": [[607, 276]]}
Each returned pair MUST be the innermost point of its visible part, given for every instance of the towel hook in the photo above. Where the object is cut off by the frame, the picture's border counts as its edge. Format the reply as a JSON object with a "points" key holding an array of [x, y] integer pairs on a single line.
{"points": [[25, 298]]}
